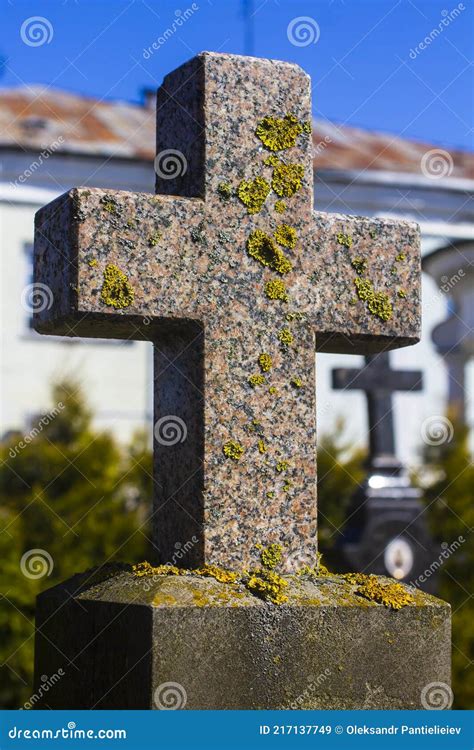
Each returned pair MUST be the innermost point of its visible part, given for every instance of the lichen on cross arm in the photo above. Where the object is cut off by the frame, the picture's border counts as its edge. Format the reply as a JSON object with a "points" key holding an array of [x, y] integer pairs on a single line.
{"points": [[286, 235], [116, 289], [278, 134], [276, 289], [253, 194], [263, 248]]}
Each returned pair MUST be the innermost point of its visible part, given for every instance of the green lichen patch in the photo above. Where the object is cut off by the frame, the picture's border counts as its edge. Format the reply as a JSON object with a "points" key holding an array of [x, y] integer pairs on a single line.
{"points": [[285, 337], [278, 134], [253, 194], [154, 238], [262, 247], [116, 289], [392, 595], [265, 362], [282, 466], [296, 382], [378, 303], [256, 380], [400, 257], [344, 239], [359, 264], [233, 449], [225, 190], [280, 207], [287, 179], [286, 235], [381, 306], [276, 289], [109, 204], [270, 556]]}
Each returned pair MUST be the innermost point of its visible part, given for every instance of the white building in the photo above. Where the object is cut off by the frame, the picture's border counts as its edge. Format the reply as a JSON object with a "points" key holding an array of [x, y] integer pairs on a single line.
{"points": [[52, 140]]}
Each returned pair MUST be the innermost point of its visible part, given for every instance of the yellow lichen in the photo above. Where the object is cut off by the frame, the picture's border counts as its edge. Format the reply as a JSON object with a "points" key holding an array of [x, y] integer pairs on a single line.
{"points": [[296, 382], [116, 289], [225, 190], [93, 262], [402, 293], [378, 303], [280, 207], [392, 595], [262, 247], [344, 239], [278, 134], [400, 256], [273, 391], [381, 306], [267, 585], [286, 235], [271, 161], [220, 574], [262, 448], [287, 179], [286, 337], [270, 556], [360, 265], [282, 466], [256, 380], [265, 362], [233, 449], [276, 289], [253, 194], [154, 238], [161, 599]]}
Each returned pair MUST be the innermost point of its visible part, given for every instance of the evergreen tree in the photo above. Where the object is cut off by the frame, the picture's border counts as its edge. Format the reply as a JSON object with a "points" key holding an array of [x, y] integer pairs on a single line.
{"points": [[78, 498]]}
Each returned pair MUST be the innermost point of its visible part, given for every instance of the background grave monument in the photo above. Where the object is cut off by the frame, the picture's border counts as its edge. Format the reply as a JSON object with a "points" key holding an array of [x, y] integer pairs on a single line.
{"points": [[235, 280], [385, 531]]}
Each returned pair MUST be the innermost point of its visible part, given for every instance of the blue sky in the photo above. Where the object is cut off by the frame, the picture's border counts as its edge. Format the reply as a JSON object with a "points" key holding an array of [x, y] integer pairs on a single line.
{"points": [[364, 56]]}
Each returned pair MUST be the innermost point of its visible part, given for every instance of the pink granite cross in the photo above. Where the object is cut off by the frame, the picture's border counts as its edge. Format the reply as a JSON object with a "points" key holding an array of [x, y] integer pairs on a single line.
{"points": [[234, 278]]}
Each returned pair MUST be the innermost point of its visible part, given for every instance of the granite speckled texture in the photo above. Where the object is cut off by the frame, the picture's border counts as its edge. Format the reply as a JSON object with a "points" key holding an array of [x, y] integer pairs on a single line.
{"points": [[223, 648], [199, 296]]}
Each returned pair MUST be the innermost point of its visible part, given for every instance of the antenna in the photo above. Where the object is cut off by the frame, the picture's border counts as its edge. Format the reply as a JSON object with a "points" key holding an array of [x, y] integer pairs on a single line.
{"points": [[248, 14]]}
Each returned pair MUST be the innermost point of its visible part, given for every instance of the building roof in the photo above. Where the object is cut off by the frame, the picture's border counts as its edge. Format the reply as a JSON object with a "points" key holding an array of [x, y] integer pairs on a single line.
{"points": [[34, 117]]}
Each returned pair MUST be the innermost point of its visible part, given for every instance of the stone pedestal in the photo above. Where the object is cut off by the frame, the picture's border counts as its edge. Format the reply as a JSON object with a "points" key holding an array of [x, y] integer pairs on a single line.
{"points": [[192, 642]]}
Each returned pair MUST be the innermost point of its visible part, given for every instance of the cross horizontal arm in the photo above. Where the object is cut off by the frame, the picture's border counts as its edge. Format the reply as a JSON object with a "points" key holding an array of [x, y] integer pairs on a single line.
{"points": [[117, 262], [349, 378], [366, 283]]}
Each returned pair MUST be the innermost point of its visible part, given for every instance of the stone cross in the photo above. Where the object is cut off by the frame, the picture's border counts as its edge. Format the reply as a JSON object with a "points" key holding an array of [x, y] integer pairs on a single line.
{"points": [[378, 382], [234, 279]]}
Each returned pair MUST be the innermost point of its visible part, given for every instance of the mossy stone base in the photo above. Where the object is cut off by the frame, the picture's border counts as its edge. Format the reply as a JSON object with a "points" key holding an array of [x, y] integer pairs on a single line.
{"points": [[119, 639]]}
